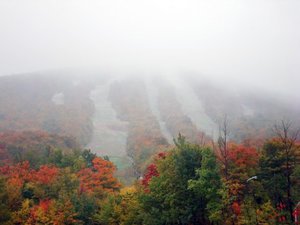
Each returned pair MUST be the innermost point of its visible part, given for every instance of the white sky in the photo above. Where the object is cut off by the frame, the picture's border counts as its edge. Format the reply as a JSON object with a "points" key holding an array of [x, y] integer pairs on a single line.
{"points": [[256, 42]]}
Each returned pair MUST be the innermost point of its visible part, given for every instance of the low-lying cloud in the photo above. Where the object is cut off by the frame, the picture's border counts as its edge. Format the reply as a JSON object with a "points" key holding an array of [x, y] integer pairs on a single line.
{"points": [[254, 42]]}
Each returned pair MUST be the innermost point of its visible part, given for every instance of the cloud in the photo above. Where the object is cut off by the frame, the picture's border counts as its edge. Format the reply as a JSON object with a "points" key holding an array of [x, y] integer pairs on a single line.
{"points": [[252, 42]]}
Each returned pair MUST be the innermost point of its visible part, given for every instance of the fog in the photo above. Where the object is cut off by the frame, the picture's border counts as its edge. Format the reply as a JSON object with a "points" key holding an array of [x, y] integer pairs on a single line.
{"points": [[250, 43]]}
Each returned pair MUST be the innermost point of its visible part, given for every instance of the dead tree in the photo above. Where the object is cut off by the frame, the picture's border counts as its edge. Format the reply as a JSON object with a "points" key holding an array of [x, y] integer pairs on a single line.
{"points": [[288, 138], [223, 146]]}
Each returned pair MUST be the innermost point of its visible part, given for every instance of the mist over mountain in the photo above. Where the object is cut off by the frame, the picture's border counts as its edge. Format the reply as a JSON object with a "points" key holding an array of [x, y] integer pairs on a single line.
{"points": [[149, 112], [130, 117]]}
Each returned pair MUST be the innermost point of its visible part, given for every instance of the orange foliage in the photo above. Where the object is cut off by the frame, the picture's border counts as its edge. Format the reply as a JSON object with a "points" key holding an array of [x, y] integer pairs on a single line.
{"points": [[48, 212], [34, 141], [242, 156], [45, 175], [18, 173], [236, 208], [44, 205], [99, 177]]}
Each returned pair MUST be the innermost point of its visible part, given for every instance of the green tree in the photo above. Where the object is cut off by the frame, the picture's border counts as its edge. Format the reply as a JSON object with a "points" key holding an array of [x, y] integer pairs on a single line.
{"points": [[168, 199], [280, 157], [4, 209], [207, 185]]}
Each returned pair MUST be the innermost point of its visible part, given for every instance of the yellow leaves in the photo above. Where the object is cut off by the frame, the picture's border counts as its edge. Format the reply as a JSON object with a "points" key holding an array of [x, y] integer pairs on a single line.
{"points": [[266, 214], [128, 191], [47, 212], [19, 217], [129, 206]]}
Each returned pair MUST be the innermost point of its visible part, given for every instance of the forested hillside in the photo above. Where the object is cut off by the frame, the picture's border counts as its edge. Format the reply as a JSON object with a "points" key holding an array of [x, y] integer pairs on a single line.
{"points": [[225, 183], [160, 112], [129, 117], [52, 103], [100, 151], [47, 179]]}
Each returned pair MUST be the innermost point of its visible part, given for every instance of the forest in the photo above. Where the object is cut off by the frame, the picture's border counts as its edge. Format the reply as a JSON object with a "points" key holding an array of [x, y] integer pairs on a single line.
{"points": [[49, 179], [161, 112]]}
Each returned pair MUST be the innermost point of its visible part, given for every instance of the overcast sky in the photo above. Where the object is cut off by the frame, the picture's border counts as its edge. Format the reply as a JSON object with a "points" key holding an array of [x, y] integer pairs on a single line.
{"points": [[252, 41]]}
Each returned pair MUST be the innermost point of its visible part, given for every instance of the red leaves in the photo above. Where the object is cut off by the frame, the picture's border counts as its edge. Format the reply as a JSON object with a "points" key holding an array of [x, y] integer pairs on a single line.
{"points": [[21, 172], [99, 177], [45, 175], [151, 171], [39, 209], [17, 174], [236, 208], [281, 212], [44, 204], [162, 155], [243, 156], [281, 206], [48, 211]]}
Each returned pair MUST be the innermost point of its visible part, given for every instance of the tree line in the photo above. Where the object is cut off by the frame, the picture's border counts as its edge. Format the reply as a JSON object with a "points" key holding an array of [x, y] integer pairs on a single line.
{"points": [[213, 183]]}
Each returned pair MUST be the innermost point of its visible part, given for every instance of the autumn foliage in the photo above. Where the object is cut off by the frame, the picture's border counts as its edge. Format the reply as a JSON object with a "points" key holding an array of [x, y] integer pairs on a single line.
{"points": [[45, 175], [61, 192], [99, 177], [151, 171], [185, 184]]}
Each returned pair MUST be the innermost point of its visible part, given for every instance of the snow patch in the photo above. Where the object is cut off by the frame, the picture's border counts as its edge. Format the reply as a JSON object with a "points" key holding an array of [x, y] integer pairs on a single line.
{"points": [[58, 98], [247, 111]]}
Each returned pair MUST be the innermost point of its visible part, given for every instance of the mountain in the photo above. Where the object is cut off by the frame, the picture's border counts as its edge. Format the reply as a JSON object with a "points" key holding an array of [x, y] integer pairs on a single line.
{"points": [[130, 117]]}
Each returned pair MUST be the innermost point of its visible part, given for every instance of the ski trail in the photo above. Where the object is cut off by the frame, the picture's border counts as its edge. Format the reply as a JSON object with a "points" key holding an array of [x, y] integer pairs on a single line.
{"points": [[152, 94], [110, 133], [193, 108]]}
